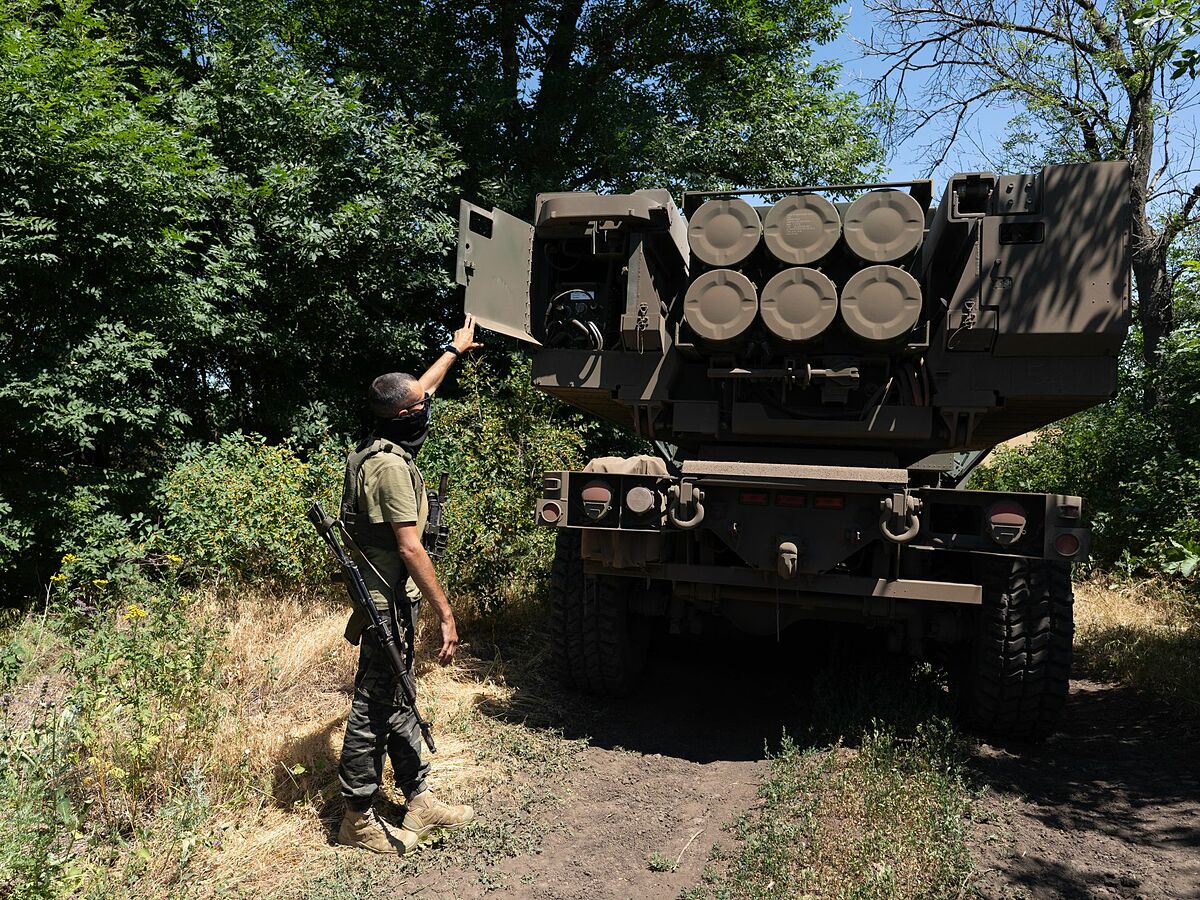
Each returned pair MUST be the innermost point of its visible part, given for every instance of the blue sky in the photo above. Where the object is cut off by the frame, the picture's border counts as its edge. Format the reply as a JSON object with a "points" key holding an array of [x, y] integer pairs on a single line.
{"points": [[906, 161]]}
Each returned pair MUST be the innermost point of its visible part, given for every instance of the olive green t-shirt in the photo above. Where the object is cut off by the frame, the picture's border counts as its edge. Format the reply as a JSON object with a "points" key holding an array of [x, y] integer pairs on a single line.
{"points": [[387, 495], [386, 492]]}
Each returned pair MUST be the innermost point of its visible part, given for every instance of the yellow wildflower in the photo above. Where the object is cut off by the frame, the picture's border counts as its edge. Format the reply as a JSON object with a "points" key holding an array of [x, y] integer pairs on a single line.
{"points": [[99, 582], [133, 611], [58, 579], [69, 558], [172, 558]]}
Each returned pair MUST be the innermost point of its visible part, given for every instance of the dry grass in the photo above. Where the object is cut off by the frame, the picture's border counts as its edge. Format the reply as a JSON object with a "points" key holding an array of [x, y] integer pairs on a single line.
{"points": [[262, 804], [291, 674], [1145, 633]]}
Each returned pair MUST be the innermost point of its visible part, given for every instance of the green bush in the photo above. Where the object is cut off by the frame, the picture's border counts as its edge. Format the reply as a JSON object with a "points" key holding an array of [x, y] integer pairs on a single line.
{"points": [[93, 773], [111, 559], [144, 679], [1137, 468], [236, 509], [496, 441]]}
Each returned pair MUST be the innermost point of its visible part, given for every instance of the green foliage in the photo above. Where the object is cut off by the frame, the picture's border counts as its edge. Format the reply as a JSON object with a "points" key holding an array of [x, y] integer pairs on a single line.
{"points": [[1137, 469], [144, 678], [241, 247], [114, 559], [108, 757], [496, 441], [1178, 43], [585, 94], [235, 510], [40, 808], [93, 194]]}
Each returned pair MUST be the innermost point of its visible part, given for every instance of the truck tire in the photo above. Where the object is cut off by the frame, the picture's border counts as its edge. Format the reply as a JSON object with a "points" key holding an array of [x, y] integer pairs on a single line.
{"points": [[600, 644], [1019, 668]]}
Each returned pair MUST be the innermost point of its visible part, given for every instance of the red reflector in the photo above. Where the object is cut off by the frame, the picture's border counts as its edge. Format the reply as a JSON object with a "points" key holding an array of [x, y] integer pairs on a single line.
{"points": [[551, 512], [1066, 544], [795, 501], [1006, 512], [596, 492], [829, 501], [752, 498]]}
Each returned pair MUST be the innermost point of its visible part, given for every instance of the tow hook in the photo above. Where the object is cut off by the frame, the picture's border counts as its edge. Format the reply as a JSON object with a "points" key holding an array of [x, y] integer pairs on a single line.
{"points": [[682, 496], [786, 563], [899, 521]]}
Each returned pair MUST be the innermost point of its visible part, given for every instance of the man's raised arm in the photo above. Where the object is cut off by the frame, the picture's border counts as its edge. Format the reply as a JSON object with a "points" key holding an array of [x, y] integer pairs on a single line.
{"points": [[463, 340]]}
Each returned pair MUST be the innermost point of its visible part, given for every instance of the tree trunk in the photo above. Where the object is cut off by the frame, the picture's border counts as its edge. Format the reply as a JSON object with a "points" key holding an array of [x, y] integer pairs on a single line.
{"points": [[1155, 313], [553, 106], [510, 66]]}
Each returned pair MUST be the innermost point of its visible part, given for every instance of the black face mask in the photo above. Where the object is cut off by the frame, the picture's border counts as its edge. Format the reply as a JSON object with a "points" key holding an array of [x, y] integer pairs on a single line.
{"points": [[408, 431]]}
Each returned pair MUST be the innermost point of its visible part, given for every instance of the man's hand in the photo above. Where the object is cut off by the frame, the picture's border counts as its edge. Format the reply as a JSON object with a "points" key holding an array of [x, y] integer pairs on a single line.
{"points": [[464, 338], [449, 641]]}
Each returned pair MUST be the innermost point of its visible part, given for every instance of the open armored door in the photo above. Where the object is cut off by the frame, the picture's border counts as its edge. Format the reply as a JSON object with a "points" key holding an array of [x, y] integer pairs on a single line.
{"points": [[494, 255]]}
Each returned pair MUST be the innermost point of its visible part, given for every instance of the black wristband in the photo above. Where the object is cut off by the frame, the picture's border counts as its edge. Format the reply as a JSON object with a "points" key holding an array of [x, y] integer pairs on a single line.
{"points": [[450, 348]]}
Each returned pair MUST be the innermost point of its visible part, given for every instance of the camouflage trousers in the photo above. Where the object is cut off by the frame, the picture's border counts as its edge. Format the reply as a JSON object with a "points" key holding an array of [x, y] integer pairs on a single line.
{"points": [[380, 721]]}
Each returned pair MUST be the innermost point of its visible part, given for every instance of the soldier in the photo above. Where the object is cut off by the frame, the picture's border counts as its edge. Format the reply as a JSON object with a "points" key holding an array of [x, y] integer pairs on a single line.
{"points": [[385, 508]]}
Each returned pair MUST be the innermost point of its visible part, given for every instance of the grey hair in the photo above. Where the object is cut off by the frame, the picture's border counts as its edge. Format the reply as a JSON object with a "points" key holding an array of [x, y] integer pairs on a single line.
{"points": [[392, 392]]}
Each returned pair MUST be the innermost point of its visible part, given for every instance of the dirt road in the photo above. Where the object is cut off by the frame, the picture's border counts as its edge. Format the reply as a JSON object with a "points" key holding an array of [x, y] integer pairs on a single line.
{"points": [[1108, 809]]}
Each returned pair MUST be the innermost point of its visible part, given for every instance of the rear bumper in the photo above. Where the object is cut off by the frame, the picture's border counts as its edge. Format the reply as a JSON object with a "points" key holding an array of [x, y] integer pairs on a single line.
{"points": [[830, 530]]}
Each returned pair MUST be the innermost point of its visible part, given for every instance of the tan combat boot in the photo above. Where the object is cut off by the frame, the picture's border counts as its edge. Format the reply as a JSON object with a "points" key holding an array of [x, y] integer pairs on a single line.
{"points": [[426, 813], [366, 831]]}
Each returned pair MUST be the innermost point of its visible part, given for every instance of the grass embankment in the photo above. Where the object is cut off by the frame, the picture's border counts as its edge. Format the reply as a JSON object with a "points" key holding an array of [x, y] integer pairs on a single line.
{"points": [[1145, 634], [224, 783]]}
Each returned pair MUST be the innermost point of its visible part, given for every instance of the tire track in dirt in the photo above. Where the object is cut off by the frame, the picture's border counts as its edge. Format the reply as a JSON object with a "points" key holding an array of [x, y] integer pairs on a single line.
{"points": [[673, 764], [1108, 808]]}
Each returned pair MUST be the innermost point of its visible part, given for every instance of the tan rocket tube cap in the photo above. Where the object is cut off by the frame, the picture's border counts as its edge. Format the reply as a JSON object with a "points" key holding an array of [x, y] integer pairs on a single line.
{"points": [[798, 304], [720, 305], [884, 226], [881, 303], [724, 232], [801, 229]]}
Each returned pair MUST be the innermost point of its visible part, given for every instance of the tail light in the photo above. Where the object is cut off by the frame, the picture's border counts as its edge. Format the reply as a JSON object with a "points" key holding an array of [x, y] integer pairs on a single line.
{"points": [[1066, 544], [829, 501], [1006, 522], [597, 500], [550, 512], [640, 500]]}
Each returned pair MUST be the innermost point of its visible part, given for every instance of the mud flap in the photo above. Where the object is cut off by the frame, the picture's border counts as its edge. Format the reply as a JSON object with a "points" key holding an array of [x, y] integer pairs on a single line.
{"points": [[494, 254]]}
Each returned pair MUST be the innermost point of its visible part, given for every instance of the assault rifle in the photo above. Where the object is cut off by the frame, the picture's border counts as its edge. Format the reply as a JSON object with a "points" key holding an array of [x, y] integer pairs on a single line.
{"points": [[437, 532], [393, 646]]}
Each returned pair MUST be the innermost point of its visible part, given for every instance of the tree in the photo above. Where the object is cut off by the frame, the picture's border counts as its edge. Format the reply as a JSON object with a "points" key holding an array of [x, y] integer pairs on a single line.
{"points": [[244, 248], [584, 94], [1095, 80]]}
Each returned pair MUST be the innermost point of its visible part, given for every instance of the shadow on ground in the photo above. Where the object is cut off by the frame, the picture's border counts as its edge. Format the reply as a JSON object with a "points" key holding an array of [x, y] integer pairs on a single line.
{"points": [[703, 699], [1110, 806]]}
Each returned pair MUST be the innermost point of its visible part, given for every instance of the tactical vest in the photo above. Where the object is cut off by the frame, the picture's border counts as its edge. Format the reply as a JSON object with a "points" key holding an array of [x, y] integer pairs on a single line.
{"points": [[357, 523]]}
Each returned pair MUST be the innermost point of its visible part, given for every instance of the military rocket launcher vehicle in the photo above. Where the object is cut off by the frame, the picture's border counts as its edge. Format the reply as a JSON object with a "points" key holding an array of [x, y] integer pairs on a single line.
{"points": [[818, 368]]}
